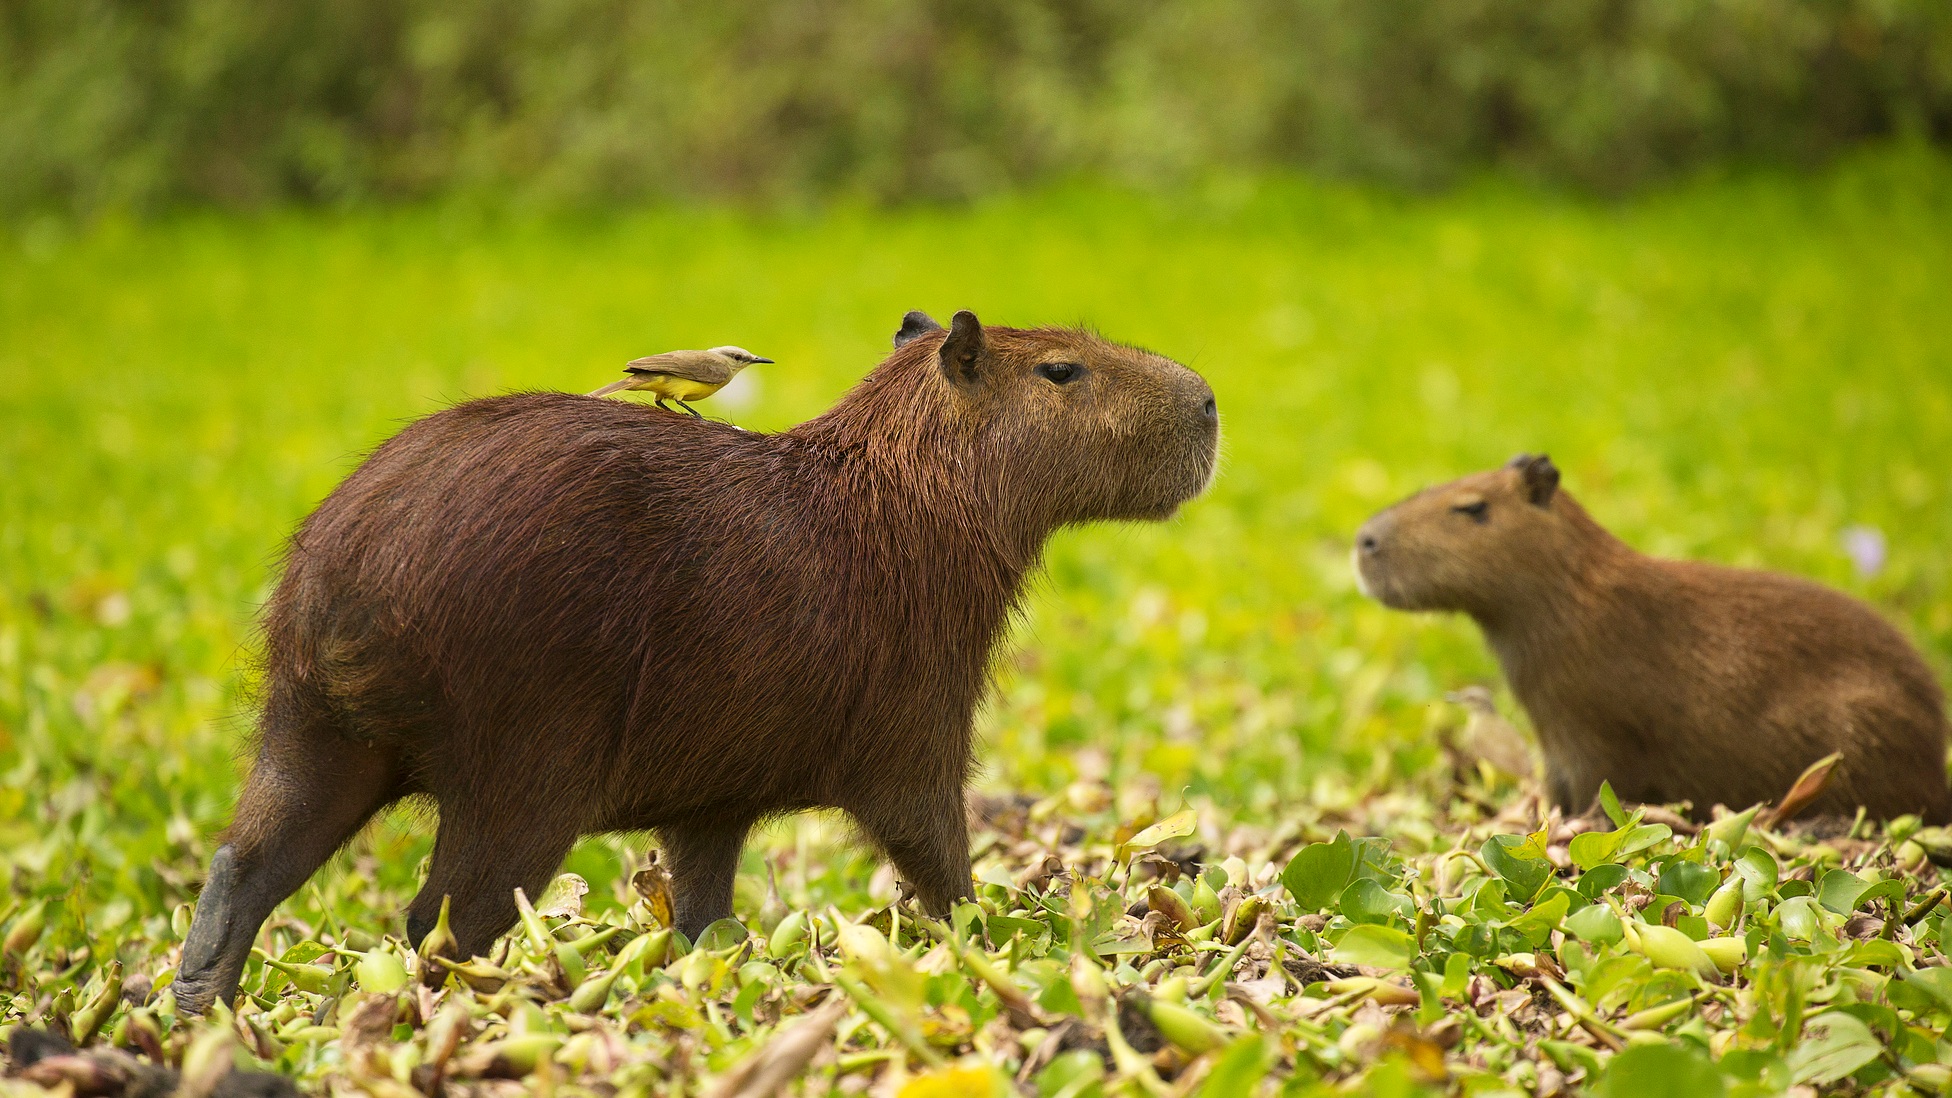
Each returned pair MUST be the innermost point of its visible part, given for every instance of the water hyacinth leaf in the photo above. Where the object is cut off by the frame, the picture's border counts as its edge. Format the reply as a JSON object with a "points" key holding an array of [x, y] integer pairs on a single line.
{"points": [[1070, 1073], [723, 934], [1759, 873], [1643, 837], [1545, 916], [1365, 901], [1843, 892], [1601, 879], [1240, 1066], [1318, 872], [1375, 946], [1595, 923], [1936, 980], [1690, 881], [1510, 857], [1759, 1066], [1732, 829], [1176, 826], [1591, 849], [1643, 1071], [1834, 1044], [1839, 890], [1610, 804], [1797, 918]]}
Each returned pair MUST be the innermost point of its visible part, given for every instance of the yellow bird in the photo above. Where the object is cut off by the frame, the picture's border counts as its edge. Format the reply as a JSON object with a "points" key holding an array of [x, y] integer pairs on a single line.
{"points": [[683, 375]]}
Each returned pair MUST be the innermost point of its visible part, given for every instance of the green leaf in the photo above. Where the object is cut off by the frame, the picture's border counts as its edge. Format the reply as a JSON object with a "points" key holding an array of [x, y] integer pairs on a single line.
{"points": [[723, 934], [1595, 923], [1664, 1069], [1642, 836], [1601, 879], [1365, 901], [1591, 849], [1759, 873], [1241, 1065], [1611, 803], [1506, 855], [1843, 892], [1689, 881], [1841, 1045], [1176, 826], [1839, 889], [1375, 946], [1320, 871], [1538, 924], [1936, 980]]}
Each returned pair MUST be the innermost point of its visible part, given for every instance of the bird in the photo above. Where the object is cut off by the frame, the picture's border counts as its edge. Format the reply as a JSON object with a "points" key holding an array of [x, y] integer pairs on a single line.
{"points": [[1489, 736], [682, 375]]}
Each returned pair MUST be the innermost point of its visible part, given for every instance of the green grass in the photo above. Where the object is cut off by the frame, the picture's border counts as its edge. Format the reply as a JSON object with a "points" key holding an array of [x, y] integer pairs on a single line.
{"points": [[1737, 370]]}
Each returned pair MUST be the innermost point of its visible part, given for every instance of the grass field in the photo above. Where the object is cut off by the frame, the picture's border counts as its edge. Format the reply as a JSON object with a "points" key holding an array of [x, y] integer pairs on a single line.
{"points": [[1739, 370]]}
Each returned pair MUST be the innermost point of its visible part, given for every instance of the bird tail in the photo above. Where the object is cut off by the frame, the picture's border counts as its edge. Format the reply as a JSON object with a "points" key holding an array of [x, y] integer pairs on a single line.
{"points": [[622, 383]]}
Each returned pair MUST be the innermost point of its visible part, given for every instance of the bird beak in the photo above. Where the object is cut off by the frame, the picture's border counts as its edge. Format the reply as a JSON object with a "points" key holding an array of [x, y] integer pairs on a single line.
{"points": [[756, 360]]}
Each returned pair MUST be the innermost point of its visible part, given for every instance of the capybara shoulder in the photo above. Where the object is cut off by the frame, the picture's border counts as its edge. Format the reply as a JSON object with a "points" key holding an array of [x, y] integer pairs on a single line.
{"points": [[1672, 680]]}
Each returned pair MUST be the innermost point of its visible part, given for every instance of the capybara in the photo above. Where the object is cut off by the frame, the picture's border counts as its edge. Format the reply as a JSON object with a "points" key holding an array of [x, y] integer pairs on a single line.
{"points": [[552, 615], [1672, 680]]}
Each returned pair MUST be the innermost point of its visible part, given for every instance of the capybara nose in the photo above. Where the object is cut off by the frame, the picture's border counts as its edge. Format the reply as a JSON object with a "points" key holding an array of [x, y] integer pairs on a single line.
{"points": [[1367, 543], [1211, 409]]}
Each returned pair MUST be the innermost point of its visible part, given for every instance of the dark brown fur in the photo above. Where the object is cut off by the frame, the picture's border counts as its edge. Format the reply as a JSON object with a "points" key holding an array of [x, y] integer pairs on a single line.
{"points": [[556, 615], [1674, 681]]}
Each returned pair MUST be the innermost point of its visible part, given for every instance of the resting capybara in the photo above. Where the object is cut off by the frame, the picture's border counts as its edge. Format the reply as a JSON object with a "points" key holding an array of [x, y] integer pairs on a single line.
{"points": [[553, 615], [1674, 681]]}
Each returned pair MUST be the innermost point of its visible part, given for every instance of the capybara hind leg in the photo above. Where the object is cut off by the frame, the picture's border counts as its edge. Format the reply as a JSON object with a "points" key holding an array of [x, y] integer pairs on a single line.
{"points": [[927, 837], [480, 859], [309, 792], [704, 860]]}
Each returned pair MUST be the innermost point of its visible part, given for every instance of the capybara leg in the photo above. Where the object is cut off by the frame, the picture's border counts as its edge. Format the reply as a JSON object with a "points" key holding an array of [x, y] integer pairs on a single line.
{"points": [[927, 838], [309, 792], [480, 859], [704, 860]]}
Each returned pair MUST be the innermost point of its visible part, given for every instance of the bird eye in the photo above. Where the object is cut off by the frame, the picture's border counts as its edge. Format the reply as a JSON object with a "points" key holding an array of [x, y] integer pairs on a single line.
{"points": [[1477, 509], [1061, 373]]}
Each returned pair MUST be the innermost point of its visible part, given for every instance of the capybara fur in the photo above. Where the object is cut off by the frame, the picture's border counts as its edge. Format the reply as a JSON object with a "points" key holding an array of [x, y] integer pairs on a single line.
{"points": [[552, 615], [1672, 680]]}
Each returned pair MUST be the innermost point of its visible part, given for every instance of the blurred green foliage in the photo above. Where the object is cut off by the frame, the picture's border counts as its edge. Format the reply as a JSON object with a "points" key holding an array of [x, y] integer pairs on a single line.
{"points": [[1737, 371], [136, 104]]}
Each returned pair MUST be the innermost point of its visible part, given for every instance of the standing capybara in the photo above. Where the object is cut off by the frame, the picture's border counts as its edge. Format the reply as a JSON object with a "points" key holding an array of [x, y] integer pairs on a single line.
{"points": [[555, 615], [1674, 681]]}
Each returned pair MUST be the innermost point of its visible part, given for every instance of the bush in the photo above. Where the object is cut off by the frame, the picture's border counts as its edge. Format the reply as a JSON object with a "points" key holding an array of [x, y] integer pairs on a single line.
{"points": [[145, 103]]}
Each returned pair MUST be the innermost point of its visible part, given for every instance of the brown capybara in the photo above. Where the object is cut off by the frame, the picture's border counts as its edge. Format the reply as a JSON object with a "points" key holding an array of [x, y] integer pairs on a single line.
{"points": [[552, 615], [1673, 680]]}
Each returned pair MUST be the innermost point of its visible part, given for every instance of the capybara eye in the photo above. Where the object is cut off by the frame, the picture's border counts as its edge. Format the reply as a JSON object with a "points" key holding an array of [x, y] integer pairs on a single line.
{"points": [[1478, 509], [1061, 373]]}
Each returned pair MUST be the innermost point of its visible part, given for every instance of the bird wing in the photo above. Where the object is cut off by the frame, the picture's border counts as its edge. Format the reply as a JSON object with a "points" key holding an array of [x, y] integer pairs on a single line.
{"points": [[700, 366]]}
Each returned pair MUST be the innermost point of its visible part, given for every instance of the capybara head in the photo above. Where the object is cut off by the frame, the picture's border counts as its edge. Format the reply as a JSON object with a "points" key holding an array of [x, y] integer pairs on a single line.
{"points": [[1475, 544], [1071, 427]]}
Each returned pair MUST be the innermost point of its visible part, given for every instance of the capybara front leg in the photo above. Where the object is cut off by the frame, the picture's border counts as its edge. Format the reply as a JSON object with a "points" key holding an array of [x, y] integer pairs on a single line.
{"points": [[927, 837], [309, 792], [704, 860]]}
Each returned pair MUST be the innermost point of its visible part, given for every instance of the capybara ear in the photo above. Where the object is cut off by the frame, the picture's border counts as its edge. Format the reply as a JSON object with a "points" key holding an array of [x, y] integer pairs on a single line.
{"points": [[962, 352], [1540, 475], [915, 324]]}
